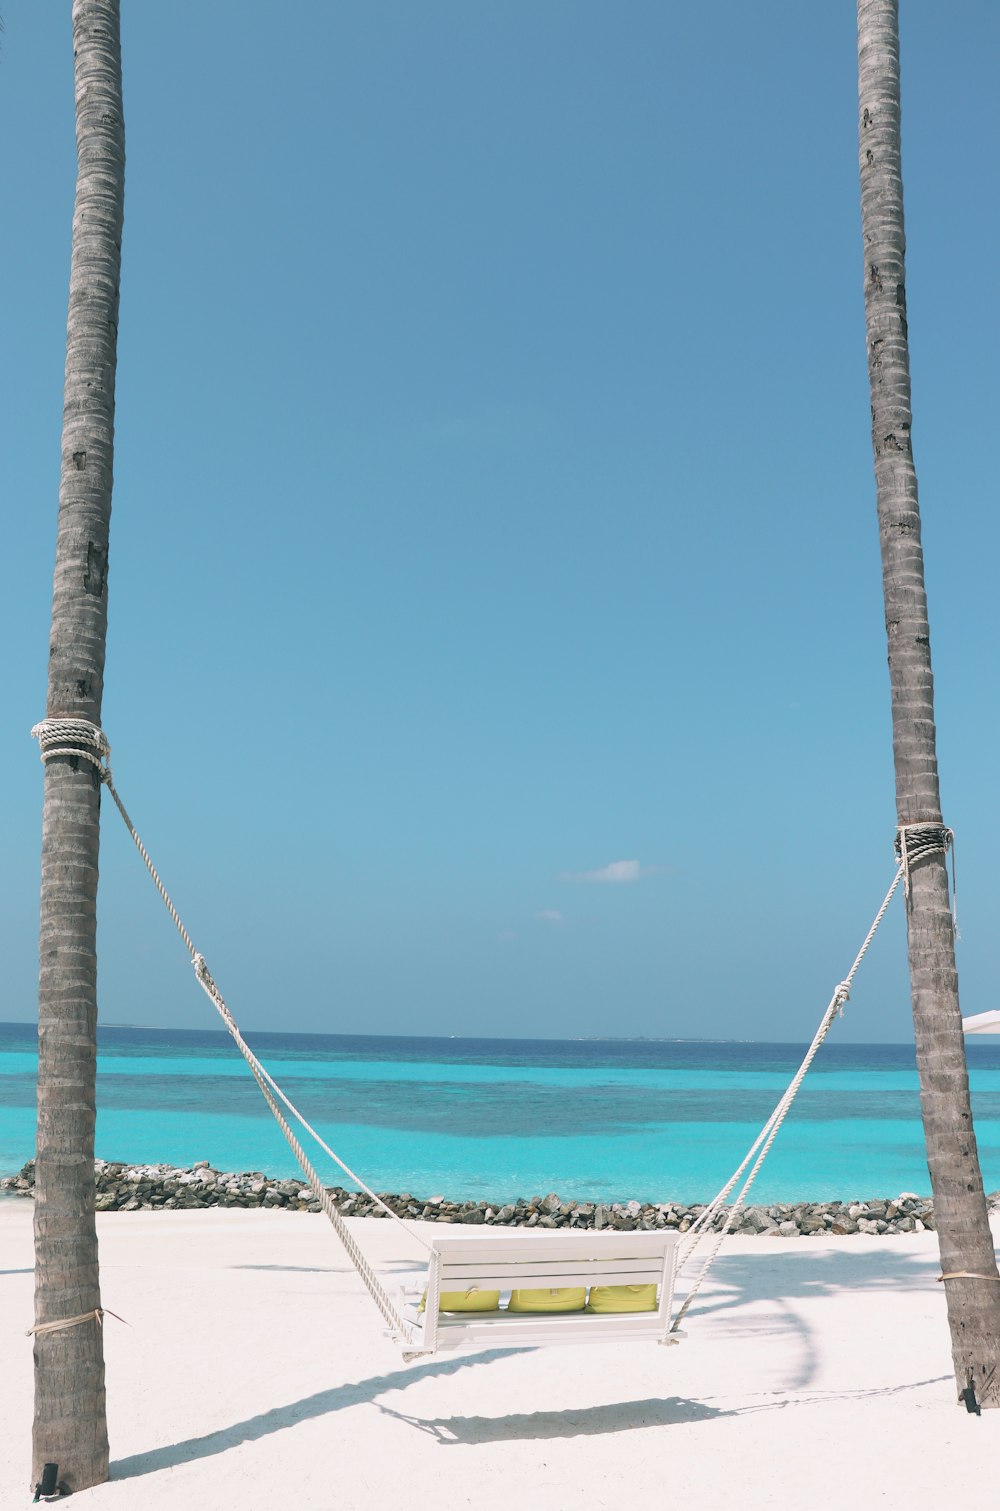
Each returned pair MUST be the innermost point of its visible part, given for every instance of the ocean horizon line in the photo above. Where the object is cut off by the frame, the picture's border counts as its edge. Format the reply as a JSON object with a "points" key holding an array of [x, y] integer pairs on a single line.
{"points": [[305, 1033]]}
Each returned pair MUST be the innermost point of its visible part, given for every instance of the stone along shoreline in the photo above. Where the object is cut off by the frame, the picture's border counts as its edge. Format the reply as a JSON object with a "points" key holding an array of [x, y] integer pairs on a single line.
{"points": [[144, 1188]]}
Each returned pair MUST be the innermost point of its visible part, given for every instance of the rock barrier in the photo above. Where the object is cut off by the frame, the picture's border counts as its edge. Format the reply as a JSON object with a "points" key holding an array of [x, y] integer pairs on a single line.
{"points": [[146, 1188]]}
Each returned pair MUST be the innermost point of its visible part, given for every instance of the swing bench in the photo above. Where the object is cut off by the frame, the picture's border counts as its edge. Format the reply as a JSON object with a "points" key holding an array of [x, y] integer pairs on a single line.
{"points": [[465, 1266], [512, 1258]]}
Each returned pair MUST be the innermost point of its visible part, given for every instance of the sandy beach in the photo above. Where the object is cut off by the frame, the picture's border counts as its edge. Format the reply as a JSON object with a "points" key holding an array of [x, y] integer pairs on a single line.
{"points": [[254, 1373]]}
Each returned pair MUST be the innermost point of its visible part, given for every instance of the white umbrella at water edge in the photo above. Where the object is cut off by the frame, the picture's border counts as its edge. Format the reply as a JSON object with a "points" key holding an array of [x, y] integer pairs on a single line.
{"points": [[982, 1023]]}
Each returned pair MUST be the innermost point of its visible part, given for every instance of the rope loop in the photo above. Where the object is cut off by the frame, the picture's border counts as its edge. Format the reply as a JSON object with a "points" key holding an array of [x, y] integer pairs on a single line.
{"points": [[914, 843], [97, 1315], [74, 737]]}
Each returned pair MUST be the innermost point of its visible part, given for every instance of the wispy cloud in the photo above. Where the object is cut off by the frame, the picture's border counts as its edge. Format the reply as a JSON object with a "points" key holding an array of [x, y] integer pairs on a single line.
{"points": [[506, 935], [616, 873], [550, 915]]}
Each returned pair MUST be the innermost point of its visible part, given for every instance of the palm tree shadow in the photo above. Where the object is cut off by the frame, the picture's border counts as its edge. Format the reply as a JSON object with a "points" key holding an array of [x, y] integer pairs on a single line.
{"points": [[742, 1283], [298, 1269], [321, 1404]]}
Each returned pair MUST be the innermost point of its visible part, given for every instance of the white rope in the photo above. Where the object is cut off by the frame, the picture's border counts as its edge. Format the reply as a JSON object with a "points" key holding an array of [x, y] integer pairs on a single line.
{"points": [[91, 743], [74, 737], [914, 842], [762, 1143]]}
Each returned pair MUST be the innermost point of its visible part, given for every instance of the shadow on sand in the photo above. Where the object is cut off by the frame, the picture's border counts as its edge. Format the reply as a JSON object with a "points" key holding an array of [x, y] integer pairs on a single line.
{"points": [[740, 1283], [779, 1278], [585, 1421], [321, 1404]]}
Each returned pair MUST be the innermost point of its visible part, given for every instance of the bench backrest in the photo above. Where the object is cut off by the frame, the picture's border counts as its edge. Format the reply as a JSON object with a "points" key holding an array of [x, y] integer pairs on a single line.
{"points": [[570, 1259]]}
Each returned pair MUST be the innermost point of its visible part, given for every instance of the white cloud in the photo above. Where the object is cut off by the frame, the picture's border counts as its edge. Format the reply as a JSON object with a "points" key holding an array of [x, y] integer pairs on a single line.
{"points": [[506, 936], [617, 872], [549, 915]]}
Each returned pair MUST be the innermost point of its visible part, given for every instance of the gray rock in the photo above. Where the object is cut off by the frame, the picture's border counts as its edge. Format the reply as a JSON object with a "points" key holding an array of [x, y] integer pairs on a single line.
{"points": [[842, 1224]]}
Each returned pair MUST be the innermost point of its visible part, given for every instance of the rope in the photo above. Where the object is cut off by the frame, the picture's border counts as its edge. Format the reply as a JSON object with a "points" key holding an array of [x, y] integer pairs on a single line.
{"points": [[91, 743], [97, 1315], [966, 1275], [762, 1143], [74, 737], [915, 842]]}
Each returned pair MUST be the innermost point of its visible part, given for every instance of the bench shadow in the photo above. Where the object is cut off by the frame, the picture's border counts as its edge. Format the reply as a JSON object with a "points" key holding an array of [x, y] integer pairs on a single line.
{"points": [[585, 1421], [597, 1421], [321, 1404]]}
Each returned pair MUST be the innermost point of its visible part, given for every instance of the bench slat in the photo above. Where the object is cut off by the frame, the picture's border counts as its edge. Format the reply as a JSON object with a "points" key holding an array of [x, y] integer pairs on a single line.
{"points": [[539, 1277], [586, 1244]]}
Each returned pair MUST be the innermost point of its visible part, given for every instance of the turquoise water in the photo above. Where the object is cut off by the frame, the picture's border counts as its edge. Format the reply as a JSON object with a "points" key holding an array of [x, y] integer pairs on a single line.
{"points": [[606, 1119]]}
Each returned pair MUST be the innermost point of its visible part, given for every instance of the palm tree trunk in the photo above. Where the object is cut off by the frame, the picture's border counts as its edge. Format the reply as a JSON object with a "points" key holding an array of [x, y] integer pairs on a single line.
{"points": [[960, 1211], [70, 1426]]}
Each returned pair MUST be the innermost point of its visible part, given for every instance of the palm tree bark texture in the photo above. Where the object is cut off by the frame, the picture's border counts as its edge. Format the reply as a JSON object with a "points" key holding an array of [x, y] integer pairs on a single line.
{"points": [[70, 1426], [966, 1244]]}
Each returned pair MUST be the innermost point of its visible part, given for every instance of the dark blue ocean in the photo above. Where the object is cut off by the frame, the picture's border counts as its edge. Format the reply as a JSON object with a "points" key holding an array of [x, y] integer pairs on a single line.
{"points": [[606, 1119]]}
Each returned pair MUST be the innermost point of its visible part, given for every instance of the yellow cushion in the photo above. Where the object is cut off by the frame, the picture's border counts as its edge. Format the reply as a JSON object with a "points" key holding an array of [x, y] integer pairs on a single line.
{"points": [[472, 1300], [562, 1299], [622, 1298]]}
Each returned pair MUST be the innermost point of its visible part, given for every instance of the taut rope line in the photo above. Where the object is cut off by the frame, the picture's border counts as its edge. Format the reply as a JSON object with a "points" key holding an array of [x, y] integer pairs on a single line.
{"points": [[78, 737], [765, 1138]]}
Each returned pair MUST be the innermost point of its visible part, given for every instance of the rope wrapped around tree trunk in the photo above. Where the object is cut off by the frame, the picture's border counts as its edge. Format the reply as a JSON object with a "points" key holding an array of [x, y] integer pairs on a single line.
{"points": [[81, 739]]}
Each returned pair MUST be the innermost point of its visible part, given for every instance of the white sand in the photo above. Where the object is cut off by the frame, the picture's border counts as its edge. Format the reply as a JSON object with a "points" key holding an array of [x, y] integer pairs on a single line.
{"points": [[255, 1375]]}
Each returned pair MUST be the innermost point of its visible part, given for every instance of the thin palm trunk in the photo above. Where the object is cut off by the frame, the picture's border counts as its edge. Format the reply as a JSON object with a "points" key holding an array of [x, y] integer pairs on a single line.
{"points": [[973, 1294], [70, 1425]]}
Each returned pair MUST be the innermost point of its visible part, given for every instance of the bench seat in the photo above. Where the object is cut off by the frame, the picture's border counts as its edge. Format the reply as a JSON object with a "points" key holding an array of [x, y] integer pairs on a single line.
{"points": [[511, 1259]]}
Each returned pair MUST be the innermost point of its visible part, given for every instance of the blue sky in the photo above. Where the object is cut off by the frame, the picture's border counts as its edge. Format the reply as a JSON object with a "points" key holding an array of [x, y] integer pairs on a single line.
{"points": [[494, 506]]}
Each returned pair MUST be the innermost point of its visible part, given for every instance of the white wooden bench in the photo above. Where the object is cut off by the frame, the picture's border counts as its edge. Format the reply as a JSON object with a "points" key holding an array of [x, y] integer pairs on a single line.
{"points": [[511, 1258]]}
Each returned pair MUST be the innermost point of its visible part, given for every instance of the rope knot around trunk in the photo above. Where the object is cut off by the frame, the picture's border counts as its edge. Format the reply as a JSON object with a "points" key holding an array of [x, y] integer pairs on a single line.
{"points": [[97, 1315], [914, 843], [74, 737]]}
